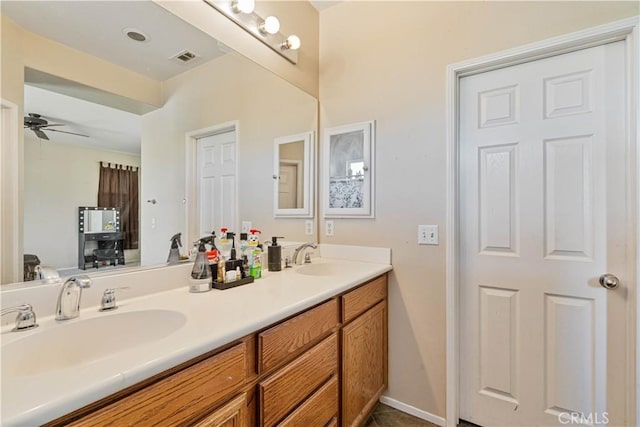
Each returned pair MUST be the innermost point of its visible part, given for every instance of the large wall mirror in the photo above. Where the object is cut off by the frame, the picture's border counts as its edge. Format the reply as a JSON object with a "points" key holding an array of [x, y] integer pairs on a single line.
{"points": [[61, 173], [292, 175]]}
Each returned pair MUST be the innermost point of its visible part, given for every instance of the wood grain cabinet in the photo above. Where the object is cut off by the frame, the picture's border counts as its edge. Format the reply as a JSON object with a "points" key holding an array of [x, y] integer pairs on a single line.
{"points": [[325, 366], [364, 350]]}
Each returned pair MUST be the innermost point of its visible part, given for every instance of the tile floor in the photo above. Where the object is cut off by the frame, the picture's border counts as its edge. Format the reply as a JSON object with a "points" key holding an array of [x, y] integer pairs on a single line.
{"points": [[386, 416]]}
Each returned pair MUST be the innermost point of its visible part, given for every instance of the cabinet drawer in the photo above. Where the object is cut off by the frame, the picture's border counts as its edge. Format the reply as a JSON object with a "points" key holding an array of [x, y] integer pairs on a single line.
{"points": [[359, 300], [285, 389], [318, 410], [177, 399], [229, 415], [283, 340]]}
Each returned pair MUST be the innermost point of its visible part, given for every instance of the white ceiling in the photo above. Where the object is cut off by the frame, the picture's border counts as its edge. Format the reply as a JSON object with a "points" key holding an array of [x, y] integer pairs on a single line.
{"points": [[96, 28], [320, 5], [108, 128]]}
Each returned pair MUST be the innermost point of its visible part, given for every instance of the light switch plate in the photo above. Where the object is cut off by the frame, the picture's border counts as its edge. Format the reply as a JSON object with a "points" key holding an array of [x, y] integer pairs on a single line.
{"points": [[308, 227], [328, 228], [246, 226], [427, 234]]}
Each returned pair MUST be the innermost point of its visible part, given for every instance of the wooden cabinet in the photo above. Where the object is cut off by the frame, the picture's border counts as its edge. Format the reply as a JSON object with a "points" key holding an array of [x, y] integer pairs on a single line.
{"points": [[232, 414], [298, 372], [364, 351], [177, 399], [288, 338], [292, 385]]}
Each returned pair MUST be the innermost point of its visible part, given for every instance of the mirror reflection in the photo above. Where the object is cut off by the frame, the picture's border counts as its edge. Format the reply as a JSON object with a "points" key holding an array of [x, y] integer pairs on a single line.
{"points": [[293, 173], [167, 101]]}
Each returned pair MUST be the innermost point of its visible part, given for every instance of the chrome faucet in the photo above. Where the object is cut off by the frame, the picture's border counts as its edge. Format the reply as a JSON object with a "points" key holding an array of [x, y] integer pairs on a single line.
{"points": [[68, 306], [300, 249], [26, 318]]}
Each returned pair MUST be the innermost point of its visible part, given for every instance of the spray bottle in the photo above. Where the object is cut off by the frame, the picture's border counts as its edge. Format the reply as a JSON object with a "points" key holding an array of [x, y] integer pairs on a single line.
{"points": [[200, 280], [174, 252]]}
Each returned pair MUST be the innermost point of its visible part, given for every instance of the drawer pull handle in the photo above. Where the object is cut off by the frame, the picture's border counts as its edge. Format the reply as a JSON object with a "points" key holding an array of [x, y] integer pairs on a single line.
{"points": [[229, 378]]}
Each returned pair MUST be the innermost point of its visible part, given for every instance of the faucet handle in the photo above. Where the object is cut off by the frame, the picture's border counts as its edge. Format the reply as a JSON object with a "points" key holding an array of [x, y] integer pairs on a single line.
{"points": [[109, 299], [26, 318]]}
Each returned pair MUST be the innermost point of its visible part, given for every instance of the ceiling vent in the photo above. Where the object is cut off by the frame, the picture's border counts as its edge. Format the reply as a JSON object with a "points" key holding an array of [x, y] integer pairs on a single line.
{"points": [[185, 56]]}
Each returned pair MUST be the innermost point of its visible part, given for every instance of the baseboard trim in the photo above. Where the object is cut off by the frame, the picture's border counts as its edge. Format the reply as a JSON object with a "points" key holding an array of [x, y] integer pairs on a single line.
{"points": [[411, 410]]}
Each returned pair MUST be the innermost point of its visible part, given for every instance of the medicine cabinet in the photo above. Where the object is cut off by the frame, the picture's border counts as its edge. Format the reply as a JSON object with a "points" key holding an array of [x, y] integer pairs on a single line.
{"points": [[293, 176], [348, 171]]}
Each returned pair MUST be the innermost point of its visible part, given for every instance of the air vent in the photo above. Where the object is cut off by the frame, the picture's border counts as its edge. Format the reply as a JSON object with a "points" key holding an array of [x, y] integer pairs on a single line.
{"points": [[185, 56]]}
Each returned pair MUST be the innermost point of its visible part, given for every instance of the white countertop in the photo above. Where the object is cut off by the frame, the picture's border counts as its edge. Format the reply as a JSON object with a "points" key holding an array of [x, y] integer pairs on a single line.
{"points": [[213, 319]]}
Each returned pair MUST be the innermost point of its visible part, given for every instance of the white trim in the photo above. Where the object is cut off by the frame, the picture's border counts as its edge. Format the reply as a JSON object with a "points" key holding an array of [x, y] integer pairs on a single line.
{"points": [[10, 195], [190, 191], [412, 410], [626, 29], [307, 188], [368, 211]]}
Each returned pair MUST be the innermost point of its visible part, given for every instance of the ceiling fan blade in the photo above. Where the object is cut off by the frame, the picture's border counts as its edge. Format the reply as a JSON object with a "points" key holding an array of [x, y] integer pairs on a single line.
{"points": [[46, 126], [40, 134], [70, 133]]}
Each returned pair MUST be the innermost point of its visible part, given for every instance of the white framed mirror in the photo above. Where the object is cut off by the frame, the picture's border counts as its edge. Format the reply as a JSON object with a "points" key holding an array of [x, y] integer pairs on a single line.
{"points": [[293, 176], [348, 161]]}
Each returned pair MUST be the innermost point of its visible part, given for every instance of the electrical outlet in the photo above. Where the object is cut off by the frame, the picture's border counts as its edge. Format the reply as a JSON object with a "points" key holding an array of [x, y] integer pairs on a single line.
{"points": [[427, 234], [328, 228], [246, 226], [308, 227]]}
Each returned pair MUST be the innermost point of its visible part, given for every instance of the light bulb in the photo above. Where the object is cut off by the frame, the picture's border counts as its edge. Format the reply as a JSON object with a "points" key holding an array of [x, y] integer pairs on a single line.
{"points": [[292, 42], [270, 25], [244, 6]]}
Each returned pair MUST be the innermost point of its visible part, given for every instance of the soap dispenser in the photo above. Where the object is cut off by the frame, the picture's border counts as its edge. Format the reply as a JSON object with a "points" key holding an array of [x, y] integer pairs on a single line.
{"points": [[200, 280], [174, 252], [274, 254]]}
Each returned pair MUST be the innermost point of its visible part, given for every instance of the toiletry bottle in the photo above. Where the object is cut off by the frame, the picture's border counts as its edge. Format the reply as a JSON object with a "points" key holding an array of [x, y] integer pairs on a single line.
{"points": [[232, 237], [243, 244], [200, 280], [174, 252], [222, 271], [274, 254], [225, 243], [254, 253]]}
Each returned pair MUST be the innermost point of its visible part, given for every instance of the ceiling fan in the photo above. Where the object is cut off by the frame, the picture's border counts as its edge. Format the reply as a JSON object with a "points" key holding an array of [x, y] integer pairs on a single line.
{"points": [[37, 124]]}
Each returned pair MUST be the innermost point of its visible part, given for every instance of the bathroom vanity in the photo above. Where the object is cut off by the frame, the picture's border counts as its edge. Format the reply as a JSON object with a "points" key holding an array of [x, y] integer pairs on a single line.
{"points": [[315, 354], [287, 374]]}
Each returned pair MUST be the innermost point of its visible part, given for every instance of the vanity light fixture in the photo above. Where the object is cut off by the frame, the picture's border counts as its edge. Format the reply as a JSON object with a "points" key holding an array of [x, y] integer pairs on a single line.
{"points": [[266, 30], [270, 25], [292, 42], [244, 6]]}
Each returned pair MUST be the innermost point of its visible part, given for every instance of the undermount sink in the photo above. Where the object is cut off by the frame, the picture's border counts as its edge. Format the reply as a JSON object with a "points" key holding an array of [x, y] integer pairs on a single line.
{"points": [[325, 269], [83, 341]]}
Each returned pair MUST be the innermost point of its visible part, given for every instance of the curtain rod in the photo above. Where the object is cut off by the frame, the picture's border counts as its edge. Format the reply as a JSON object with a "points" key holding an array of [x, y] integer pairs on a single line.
{"points": [[118, 166]]}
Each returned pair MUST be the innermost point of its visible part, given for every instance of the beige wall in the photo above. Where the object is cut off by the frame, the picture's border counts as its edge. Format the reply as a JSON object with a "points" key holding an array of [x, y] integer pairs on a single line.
{"points": [[51, 199], [296, 17], [226, 89], [386, 61]]}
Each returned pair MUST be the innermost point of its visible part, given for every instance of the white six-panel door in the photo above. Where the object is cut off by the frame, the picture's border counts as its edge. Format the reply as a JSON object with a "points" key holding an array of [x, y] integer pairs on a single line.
{"points": [[216, 175], [542, 207]]}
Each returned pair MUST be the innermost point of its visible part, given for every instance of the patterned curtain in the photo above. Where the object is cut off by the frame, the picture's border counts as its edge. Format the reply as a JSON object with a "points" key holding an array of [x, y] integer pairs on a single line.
{"points": [[118, 188]]}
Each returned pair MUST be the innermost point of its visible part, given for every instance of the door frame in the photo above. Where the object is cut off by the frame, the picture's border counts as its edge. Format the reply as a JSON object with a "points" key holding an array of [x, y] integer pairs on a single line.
{"points": [[627, 30], [191, 181]]}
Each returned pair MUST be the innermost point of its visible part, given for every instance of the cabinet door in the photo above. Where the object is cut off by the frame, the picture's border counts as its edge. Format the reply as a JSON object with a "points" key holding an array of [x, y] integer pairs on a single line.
{"points": [[231, 414], [364, 360]]}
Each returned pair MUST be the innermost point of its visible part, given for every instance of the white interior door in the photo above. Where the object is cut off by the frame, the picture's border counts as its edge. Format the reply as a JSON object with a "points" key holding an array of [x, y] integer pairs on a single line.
{"points": [[217, 181], [543, 215], [288, 186]]}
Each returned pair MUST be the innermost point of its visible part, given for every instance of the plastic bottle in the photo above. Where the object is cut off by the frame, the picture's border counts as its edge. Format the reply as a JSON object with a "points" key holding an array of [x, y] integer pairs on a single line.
{"points": [[200, 280]]}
